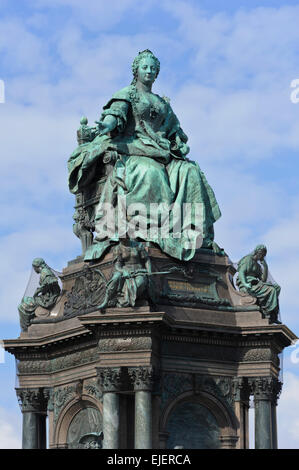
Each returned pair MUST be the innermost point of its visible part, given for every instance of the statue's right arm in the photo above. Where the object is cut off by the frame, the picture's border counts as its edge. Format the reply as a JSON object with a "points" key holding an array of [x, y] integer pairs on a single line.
{"points": [[107, 125], [114, 117], [242, 273]]}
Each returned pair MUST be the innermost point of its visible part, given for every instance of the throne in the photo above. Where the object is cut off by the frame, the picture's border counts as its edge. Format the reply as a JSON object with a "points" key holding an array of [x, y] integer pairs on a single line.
{"points": [[87, 199]]}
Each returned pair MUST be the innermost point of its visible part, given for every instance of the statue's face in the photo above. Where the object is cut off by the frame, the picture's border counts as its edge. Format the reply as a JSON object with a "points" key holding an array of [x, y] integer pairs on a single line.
{"points": [[261, 254], [147, 71], [37, 269]]}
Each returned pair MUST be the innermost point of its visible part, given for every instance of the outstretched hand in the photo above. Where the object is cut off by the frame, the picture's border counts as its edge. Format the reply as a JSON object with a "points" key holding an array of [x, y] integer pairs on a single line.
{"points": [[102, 128]]}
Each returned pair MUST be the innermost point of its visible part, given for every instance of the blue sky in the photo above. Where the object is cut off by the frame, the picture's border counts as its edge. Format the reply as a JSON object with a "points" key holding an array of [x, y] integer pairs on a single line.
{"points": [[227, 67]]}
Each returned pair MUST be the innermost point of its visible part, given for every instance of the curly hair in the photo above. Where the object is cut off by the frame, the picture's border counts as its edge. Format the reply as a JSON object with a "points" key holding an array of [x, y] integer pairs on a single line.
{"points": [[141, 55], [260, 248], [38, 262]]}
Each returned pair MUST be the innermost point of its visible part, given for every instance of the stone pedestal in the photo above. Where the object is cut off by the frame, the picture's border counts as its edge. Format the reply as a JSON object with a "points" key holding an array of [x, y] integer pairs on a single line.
{"points": [[91, 371]]}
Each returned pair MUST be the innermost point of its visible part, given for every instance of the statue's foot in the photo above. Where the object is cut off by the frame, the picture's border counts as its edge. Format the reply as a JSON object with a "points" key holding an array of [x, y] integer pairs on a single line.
{"points": [[211, 245], [217, 250], [102, 307]]}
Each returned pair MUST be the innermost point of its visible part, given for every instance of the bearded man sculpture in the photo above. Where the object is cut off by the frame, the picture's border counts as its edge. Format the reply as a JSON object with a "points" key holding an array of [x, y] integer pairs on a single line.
{"points": [[141, 134]]}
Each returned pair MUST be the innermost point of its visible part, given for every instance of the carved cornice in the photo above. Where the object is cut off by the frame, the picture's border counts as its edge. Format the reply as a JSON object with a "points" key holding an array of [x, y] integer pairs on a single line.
{"points": [[32, 400], [265, 388], [109, 379], [142, 377]]}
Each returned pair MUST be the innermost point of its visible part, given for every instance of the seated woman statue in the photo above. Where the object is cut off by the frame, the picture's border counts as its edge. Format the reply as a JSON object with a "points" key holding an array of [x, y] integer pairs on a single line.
{"points": [[140, 130], [252, 278]]}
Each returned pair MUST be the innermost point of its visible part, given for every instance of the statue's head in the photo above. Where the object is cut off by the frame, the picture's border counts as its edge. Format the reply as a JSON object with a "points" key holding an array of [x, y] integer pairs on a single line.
{"points": [[38, 264], [260, 252], [146, 67]]}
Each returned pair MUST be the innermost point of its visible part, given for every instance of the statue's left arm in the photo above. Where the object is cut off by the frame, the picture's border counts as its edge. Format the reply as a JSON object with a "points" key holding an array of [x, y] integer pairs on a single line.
{"points": [[175, 135], [265, 271]]}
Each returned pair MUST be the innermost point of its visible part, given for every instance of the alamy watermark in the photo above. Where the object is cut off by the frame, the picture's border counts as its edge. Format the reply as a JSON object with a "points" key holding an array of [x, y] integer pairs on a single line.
{"points": [[2, 92], [295, 93], [151, 222]]}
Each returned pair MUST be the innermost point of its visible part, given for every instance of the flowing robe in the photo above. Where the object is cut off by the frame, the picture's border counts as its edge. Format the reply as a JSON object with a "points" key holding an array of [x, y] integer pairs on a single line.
{"points": [[266, 293]]}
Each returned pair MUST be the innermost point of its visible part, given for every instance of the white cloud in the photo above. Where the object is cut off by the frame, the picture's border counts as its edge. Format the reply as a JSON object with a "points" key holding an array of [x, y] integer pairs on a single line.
{"points": [[96, 15], [288, 419]]}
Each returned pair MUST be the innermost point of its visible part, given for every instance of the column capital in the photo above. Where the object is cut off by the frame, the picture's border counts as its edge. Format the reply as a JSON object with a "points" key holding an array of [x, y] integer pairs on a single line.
{"points": [[265, 388], [241, 389], [32, 400], [109, 378], [142, 377]]}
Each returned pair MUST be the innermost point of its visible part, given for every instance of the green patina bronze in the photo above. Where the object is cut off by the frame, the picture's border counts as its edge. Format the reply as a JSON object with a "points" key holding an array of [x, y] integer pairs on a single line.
{"points": [[252, 278], [139, 132], [45, 295], [131, 279]]}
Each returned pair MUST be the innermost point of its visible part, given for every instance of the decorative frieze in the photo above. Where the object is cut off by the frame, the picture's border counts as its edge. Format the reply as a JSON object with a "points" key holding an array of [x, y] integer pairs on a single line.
{"points": [[87, 293], [125, 344], [58, 363]]}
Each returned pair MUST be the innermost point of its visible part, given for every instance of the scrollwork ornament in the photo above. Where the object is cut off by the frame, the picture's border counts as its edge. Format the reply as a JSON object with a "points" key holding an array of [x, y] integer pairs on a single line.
{"points": [[142, 377], [109, 378], [265, 388], [60, 397], [31, 400], [94, 391]]}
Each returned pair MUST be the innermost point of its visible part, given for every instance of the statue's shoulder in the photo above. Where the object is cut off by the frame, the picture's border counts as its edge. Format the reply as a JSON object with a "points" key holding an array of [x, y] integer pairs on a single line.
{"points": [[245, 262], [121, 95]]}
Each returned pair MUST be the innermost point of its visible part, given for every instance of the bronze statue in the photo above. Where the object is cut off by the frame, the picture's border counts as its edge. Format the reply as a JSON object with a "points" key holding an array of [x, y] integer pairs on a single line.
{"points": [[141, 135], [44, 296], [252, 278], [130, 279]]}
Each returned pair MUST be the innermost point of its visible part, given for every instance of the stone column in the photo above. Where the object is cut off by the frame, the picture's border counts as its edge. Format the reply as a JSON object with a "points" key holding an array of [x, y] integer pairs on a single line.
{"points": [[241, 394], [277, 385], [142, 378], [33, 405], [265, 426], [110, 382]]}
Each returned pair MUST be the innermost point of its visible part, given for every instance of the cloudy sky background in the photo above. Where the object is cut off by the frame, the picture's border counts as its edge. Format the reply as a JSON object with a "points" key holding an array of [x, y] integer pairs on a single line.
{"points": [[227, 67]]}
